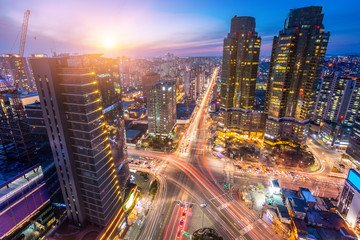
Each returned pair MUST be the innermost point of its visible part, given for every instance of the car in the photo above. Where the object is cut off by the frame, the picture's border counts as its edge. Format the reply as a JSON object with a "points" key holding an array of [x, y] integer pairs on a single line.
{"points": [[183, 214], [178, 202], [178, 235], [181, 223]]}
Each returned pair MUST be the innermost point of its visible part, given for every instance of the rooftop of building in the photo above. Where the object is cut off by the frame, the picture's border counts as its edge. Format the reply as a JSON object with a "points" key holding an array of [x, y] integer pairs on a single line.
{"points": [[132, 133], [35, 105], [23, 94], [283, 211], [275, 183], [298, 204], [324, 219], [306, 194], [354, 179], [300, 226], [10, 169], [289, 193], [19, 182]]}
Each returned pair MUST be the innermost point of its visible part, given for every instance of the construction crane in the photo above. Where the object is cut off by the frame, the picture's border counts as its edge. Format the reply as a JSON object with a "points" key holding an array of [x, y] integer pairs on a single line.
{"points": [[24, 33], [24, 28], [14, 131]]}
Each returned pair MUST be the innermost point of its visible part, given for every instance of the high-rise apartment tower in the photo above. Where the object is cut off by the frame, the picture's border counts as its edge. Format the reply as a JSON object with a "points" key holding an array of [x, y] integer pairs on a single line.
{"points": [[296, 61], [72, 107], [238, 81]]}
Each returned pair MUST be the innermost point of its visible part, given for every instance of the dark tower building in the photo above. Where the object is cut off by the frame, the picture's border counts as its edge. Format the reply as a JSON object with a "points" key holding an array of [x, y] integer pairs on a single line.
{"points": [[296, 60], [107, 71], [238, 80], [72, 103], [354, 146], [148, 81]]}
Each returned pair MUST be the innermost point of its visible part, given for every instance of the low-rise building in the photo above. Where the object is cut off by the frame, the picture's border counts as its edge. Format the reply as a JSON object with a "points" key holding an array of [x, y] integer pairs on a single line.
{"points": [[25, 208], [297, 207], [349, 201]]}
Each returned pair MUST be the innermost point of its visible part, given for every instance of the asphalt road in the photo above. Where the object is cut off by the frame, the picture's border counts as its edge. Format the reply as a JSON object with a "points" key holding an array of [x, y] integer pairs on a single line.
{"points": [[189, 177], [191, 174]]}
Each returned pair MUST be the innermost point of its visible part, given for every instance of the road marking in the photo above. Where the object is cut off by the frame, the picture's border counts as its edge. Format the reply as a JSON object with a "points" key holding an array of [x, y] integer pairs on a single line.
{"points": [[227, 219], [246, 229], [207, 217], [225, 205], [167, 215], [217, 197], [240, 238]]}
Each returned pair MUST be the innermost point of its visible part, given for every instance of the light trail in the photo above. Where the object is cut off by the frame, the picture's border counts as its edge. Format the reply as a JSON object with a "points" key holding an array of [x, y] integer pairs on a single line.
{"points": [[230, 220]]}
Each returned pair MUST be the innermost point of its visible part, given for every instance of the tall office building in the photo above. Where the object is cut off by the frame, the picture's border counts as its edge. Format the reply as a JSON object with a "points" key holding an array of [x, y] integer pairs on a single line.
{"points": [[71, 103], [296, 60], [332, 98], [162, 108], [353, 108], [40, 138], [238, 80], [107, 73], [15, 69], [354, 143], [338, 100], [187, 84], [335, 110], [148, 80]]}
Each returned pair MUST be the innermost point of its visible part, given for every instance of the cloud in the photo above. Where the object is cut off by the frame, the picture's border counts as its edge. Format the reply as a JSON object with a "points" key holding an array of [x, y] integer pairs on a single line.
{"points": [[136, 29]]}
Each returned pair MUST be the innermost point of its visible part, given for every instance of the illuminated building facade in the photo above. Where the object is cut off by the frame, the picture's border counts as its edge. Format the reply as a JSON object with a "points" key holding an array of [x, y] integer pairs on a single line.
{"points": [[26, 210], [107, 72], [336, 109], [162, 108], [353, 108], [78, 134], [338, 100], [238, 80], [296, 60], [16, 70], [349, 201], [335, 134], [354, 143], [331, 101]]}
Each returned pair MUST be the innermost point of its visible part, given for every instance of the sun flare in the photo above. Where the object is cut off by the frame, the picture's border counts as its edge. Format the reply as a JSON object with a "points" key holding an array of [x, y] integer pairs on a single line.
{"points": [[108, 42]]}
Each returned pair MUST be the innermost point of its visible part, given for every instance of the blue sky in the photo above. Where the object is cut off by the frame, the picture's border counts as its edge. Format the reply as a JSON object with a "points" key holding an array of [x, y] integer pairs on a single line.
{"points": [[154, 27]]}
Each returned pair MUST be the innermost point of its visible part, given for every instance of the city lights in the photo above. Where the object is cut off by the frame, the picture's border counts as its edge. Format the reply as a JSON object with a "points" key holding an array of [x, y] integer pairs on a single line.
{"points": [[175, 120]]}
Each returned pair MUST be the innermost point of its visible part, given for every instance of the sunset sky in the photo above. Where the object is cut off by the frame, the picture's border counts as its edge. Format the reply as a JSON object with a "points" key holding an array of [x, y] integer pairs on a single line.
{"points": [[155, 27]]}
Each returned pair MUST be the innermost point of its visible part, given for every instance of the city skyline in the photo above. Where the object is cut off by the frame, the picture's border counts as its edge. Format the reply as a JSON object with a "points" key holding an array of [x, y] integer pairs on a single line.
{"points": [[184, 28], [142, 120]]}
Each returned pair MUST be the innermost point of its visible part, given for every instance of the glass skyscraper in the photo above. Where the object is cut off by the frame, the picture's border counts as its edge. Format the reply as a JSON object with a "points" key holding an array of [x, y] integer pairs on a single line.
{"points": [[296, 61], [70, 90], [238, 80]]}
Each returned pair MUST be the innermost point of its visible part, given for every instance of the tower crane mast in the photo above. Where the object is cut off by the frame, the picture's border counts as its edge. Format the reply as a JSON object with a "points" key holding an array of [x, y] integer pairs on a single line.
{"points": [[24, 33]]}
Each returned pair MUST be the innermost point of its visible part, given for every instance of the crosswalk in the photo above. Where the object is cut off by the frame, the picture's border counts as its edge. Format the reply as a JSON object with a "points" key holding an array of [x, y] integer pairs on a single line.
{"points": [[229, 173]]}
